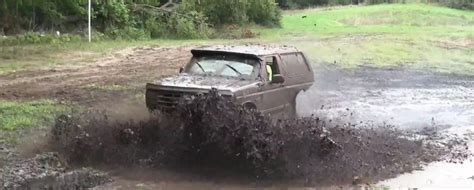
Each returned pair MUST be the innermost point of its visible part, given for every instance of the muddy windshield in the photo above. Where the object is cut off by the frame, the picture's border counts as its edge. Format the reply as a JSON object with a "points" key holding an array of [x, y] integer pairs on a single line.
{"points": [[223, 65]]}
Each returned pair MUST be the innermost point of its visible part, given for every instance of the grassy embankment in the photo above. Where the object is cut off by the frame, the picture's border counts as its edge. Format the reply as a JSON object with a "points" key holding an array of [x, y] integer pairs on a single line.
{"points": [[414, 36]]}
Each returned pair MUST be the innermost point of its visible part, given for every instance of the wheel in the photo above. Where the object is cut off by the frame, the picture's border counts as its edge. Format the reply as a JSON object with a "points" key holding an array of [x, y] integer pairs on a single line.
{"points": [[250, 106]]}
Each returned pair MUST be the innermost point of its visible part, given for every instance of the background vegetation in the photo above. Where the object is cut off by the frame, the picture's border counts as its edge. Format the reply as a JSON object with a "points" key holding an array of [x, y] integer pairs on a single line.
{"points": [[134, 19], [40, 21]]}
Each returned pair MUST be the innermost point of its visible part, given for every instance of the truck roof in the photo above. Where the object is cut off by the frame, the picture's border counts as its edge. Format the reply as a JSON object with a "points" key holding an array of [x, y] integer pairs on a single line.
{"points": [[253, 50]]}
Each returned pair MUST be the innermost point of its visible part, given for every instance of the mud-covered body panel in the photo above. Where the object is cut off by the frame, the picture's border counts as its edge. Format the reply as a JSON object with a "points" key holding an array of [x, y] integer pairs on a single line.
{"points": [[207, 82], [183, 84], [260, 93]]}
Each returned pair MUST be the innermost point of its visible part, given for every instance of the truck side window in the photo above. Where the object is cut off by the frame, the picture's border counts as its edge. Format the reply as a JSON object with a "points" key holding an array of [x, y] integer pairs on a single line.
{"points": [[302, 60], [271, 65], [295, 64]]}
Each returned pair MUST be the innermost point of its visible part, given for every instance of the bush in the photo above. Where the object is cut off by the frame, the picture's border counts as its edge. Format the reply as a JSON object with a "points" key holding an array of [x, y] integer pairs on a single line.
{"points": [[39, 38], [134, 19], [237, 12], [264, 12], [460, 4], [127, 33], [156, 27], [186, 22]]}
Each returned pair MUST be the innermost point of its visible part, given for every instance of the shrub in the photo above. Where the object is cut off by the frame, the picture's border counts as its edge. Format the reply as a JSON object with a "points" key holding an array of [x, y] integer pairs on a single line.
{"points": [[156, 27], [237, 12], [264, 12], [127, 33], [134, 19], [189, 24], [39, 38]]}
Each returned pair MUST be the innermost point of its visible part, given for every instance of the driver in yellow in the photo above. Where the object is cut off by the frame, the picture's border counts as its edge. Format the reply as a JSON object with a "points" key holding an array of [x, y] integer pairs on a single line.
{"points": [[269, 72]]}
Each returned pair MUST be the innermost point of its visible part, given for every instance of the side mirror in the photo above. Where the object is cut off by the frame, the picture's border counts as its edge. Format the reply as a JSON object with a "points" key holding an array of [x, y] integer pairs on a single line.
{"points": [[181, 69], [278, 79]]}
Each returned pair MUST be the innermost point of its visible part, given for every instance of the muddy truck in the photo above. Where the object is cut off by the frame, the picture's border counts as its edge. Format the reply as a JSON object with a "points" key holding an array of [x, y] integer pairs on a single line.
{"points": [[261, 77]]}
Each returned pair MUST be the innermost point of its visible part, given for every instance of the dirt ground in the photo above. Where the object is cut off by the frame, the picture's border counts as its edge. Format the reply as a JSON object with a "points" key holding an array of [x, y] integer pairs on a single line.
{"points": [[405, 98], [129, 69]]}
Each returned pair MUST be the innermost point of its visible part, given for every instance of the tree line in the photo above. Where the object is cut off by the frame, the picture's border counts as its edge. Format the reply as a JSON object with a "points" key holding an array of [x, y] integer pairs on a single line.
{"points": [[135, 18], [158, 18]]}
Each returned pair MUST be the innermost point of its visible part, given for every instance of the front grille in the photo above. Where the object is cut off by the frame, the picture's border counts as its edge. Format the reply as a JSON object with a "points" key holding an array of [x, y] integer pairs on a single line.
{"points": [[164, 100]]}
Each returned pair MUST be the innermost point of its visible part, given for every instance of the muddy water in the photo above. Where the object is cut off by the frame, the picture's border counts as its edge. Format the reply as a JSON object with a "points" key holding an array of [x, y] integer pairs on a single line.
{"points": [[134, 159], [367, 95], [439, 175], [407, 99]]}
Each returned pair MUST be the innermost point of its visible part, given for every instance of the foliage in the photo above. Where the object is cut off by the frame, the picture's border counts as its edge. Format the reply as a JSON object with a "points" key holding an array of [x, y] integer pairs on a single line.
{"points": [[187, 22], [29, 15], [264, 12], [134, 19], [38, 38]]}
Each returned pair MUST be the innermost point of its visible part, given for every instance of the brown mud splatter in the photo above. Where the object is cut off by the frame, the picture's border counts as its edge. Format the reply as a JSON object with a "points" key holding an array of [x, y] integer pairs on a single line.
{"points": [[210, 135]]}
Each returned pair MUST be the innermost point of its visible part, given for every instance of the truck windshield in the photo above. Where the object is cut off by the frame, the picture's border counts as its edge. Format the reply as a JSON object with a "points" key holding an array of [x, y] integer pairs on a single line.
{"points": [[222, 65]]}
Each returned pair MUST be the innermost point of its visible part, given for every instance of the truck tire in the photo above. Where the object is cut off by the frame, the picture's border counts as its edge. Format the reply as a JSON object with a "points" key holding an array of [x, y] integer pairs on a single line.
{"points": [[250, 106]]}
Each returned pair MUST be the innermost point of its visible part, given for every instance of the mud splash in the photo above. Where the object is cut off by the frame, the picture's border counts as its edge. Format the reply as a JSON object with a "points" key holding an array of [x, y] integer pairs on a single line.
{"points": [[210, 135]]}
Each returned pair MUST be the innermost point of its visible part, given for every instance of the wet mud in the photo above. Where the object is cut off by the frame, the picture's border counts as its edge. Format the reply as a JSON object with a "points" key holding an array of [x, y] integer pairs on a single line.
{"points": [[48, 171], [210, 136]]}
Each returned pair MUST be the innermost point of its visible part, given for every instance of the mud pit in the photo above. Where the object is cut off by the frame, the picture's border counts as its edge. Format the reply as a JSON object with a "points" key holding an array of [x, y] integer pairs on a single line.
{"points": [[408, 99], [210, 137]]}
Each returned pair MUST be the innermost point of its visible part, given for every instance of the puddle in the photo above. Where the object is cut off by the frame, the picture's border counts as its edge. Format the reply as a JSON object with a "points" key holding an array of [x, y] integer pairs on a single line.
{"points": [[408, 103], [440, 175]]}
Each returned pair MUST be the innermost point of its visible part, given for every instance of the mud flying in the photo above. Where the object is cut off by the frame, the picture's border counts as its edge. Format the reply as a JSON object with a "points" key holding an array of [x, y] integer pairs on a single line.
{"points": [[211, 135]]}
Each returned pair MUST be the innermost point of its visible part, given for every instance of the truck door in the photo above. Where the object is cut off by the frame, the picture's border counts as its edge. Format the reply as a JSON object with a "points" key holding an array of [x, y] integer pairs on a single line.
{"points": [[274, 96]]}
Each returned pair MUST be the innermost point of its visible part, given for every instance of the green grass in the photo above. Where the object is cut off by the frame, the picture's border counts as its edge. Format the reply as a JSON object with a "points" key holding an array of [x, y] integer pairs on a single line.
{"points": [[417, 36], [15, 115], [385, 18]]}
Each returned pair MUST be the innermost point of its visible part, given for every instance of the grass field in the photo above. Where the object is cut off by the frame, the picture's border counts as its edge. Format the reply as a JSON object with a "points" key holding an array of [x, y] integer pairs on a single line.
{"points": [[414, 35]]}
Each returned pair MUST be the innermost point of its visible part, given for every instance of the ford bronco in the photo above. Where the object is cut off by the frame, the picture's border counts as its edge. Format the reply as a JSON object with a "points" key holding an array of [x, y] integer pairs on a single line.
{"points": [[262, 77]]}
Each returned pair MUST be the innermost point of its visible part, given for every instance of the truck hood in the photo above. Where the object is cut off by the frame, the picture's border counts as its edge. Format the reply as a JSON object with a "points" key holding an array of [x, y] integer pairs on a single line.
{"points": [[206, 82]]}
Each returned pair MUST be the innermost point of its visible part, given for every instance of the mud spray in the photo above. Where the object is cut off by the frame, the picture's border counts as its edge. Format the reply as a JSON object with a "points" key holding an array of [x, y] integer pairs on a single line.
{"points": [[210, 135]]}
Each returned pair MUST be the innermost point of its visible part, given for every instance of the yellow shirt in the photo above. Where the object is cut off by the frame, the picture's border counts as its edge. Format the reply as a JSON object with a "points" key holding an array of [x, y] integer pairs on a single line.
{"points": [[269, 72]]}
